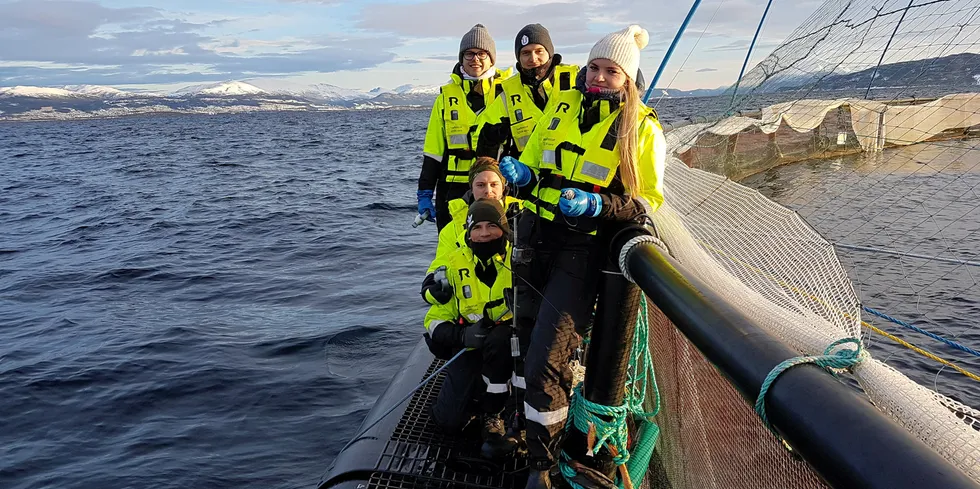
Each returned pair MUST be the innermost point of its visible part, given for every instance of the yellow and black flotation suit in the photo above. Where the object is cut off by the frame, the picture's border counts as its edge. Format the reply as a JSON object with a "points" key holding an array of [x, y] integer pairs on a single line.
{"points": [[460, 123], [518, 100], [471, 297], [571, 158]]}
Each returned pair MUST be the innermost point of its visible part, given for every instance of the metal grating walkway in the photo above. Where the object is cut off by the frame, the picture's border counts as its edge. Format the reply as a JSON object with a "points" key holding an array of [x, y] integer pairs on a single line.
{"points": [[418, 455]]}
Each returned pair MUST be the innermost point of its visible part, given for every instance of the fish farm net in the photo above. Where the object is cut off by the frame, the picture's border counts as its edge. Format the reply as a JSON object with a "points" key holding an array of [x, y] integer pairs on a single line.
{"points": [[835, 184]]}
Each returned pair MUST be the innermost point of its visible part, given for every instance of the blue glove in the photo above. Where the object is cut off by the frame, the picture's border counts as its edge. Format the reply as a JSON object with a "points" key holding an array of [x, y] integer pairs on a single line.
{"points": [[575, 203], [515, 171], [425, 204]]}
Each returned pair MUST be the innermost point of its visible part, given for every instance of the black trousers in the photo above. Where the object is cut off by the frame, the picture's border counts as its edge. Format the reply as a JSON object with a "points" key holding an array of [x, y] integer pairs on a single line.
{"points": [[475, 383], [565, 271], [445, 192]]}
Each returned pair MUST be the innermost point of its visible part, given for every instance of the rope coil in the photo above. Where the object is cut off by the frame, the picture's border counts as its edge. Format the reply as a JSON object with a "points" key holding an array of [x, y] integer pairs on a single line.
{"points": [[628, 248], [606, 426]]}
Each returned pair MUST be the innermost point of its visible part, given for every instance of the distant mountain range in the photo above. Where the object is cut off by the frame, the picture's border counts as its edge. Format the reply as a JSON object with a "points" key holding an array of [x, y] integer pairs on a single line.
{"points": [[93, 101], [948, 74], [958, 70], [945, 74]]}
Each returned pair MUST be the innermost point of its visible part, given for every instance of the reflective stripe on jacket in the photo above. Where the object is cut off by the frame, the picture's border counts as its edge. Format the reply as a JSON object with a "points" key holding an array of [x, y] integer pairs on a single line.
{"points": [[471, 297], [450, 136], [562, 156]]}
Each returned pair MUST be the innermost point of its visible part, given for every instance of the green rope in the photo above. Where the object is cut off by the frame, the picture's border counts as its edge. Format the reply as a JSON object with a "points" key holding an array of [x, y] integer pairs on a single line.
{"points": [[840, 359], [610, 422]]}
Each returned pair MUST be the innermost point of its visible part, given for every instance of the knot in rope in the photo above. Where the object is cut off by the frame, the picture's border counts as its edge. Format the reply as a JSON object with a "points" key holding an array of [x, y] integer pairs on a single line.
{"points": [[840, 359], [603, 425], [606, 426]]}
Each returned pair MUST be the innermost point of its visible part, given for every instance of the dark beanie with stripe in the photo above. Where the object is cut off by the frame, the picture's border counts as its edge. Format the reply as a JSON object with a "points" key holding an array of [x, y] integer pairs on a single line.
{"points": [[533, 34]]}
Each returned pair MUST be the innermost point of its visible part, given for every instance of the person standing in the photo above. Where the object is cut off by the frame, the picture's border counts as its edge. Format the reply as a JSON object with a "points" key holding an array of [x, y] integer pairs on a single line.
{"points": [[596, 164], [449, 147], [509, 122]]}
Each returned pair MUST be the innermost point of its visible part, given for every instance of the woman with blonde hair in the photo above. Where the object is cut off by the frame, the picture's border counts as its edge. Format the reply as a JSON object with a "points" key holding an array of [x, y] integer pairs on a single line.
{"points": [[595, 161]]}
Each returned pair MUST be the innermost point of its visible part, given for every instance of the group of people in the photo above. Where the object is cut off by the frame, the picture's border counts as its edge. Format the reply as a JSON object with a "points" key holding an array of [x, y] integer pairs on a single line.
{"points": [[526, 176]]}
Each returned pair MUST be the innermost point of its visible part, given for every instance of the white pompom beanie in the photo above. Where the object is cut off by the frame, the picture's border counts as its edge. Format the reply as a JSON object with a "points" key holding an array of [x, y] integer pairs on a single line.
{"points": [[623, 48]]}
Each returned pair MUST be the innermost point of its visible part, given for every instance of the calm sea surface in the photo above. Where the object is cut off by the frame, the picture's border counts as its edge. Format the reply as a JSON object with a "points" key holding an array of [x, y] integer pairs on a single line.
{"points": [[217, 301]]}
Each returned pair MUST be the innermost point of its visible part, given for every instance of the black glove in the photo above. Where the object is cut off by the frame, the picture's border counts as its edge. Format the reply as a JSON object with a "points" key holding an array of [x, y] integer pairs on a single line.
{"points": [[439, 350], [436, 291], [443, 339], [474, 335], [492, 136]]}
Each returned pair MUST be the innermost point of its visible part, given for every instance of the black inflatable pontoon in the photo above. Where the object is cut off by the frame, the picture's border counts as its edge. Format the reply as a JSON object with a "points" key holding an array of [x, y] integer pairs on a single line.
{"points": [[406, 450], [843, 438]]}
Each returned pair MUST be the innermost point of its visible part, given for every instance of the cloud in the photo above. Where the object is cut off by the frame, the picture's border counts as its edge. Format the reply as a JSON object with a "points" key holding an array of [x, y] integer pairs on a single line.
{"points": [[714, 17], [743, 46], [61, 18], [48, 42], [144, 45], [446, 19], [705, 70]]}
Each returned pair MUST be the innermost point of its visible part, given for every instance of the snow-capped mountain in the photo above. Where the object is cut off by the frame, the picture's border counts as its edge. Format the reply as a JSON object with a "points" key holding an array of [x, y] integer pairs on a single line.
{"points": [[407, 95], [315, 91], [94, 92], [97, 91], [88, 101], [416, 90], [223, 89], [37, 92]]}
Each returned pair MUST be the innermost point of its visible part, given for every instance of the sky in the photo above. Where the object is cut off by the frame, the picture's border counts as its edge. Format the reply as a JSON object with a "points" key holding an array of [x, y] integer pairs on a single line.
{"points": [[361, 44]]}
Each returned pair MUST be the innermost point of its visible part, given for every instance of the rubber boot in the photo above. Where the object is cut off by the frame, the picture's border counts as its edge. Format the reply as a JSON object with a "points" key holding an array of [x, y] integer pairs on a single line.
{"points": [[498, 443], [538, 479]]}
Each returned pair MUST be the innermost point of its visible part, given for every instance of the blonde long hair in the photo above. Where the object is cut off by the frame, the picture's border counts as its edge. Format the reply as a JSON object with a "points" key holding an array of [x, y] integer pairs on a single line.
{"points": [[629, 123]]}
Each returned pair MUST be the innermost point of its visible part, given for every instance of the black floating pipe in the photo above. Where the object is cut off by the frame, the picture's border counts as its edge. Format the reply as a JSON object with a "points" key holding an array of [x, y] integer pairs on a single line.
{"points": [[845, 439], [607, 361]]}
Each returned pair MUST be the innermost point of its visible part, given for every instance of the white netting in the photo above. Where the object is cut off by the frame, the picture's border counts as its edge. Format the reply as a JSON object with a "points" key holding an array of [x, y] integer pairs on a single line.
{"points": [[878, 103], [768, 263], [873, 124]]}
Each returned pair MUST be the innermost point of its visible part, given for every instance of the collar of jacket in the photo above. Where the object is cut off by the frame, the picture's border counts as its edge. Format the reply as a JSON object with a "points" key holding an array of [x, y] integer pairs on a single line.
{"points": [[528, 78], [457, 77]]}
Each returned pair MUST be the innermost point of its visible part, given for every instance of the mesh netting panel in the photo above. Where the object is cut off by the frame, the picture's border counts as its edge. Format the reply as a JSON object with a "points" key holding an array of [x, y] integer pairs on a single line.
{"points": [[882, 50], [880, 100], [855, 76], [710, 438], [819, 129], [775, 269]]}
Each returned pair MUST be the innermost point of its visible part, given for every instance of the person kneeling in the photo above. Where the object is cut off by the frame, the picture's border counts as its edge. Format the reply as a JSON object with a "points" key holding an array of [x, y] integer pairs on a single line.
{"points": [[485, 182], [478, 274]]}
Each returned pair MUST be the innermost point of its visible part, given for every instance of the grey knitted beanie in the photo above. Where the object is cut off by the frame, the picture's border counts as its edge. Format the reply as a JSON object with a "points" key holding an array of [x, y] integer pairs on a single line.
{"points": [[623, 48], [478, 38]]}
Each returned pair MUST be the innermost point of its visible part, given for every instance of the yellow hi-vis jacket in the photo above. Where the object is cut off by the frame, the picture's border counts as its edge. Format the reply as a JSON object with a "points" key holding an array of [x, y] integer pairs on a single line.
{"points": [[562, 156], [450, 236], [453, 124], [517, 105], [471, 297]]}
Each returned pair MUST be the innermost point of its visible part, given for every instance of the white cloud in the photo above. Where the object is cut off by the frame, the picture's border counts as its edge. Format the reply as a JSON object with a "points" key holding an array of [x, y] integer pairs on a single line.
{"points": [[369, 43]]}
